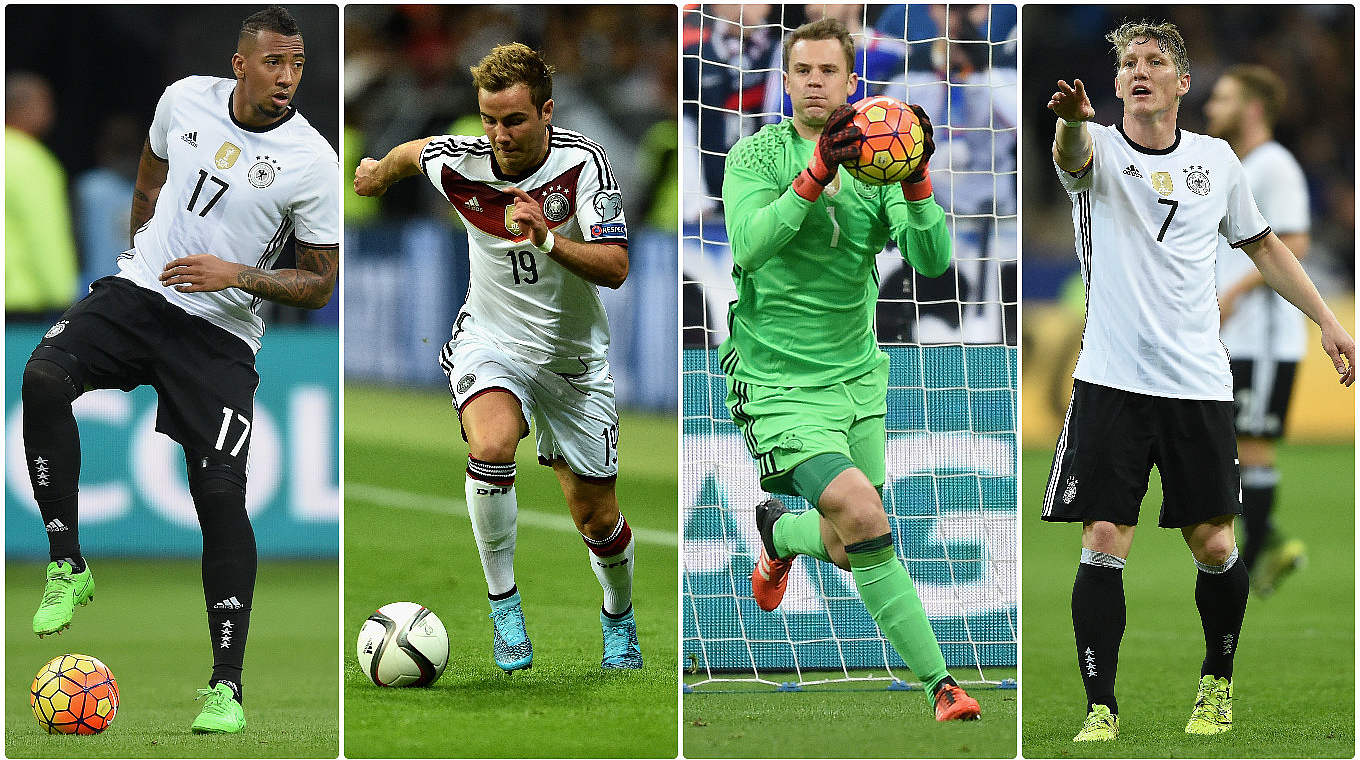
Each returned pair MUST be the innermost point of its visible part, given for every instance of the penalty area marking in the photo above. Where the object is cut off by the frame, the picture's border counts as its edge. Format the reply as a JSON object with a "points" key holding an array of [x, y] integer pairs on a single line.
{"points": [[398, 499]]}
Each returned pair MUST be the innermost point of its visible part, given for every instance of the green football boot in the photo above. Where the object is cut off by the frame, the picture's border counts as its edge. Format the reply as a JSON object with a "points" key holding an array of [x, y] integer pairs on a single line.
{"points": [[1212, 713], [1277, 563], [65, 589], [1101, 726], [221, 714]]}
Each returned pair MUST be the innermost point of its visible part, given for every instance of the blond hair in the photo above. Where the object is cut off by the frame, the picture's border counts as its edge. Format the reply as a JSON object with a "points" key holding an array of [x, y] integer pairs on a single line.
{"points": [[1260, 83], [1166, 34], [511, 64]]}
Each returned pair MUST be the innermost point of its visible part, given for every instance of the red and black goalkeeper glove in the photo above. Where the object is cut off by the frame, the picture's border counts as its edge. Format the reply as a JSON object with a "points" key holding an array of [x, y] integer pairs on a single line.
{"points": [[917, 186], [838, 143]]}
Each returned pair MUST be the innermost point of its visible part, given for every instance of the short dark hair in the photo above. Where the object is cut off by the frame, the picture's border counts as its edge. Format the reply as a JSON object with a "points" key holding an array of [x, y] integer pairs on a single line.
{"points": [[511, 64], [822, 29], [275, 19], [1260, 83]]}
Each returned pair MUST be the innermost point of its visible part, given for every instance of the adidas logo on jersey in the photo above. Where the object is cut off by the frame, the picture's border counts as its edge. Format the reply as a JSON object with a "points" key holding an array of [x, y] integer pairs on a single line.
{"points": [[1132, 171], [474, 205], [228, 604], [56, 526], [191, 138]]}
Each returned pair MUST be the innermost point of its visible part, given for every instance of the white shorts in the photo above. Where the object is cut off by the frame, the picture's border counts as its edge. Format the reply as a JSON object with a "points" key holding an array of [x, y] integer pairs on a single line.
{"points": [[571, 400]]}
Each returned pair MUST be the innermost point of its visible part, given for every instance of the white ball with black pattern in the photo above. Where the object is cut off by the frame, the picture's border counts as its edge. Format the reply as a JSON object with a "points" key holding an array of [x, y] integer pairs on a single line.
{"points": [[403, 644]]}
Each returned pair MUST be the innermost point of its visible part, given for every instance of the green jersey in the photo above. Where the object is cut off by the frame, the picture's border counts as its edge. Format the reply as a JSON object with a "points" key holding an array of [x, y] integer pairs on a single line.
{"points": [[805, 272]]}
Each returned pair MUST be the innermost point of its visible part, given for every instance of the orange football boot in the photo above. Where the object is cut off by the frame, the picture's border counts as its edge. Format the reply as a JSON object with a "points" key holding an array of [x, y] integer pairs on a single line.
{"points": [[770, 576], [953, 703]]}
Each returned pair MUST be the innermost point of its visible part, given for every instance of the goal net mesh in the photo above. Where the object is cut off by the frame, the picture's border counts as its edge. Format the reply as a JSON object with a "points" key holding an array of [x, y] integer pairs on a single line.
{"points": [[952, 443]]}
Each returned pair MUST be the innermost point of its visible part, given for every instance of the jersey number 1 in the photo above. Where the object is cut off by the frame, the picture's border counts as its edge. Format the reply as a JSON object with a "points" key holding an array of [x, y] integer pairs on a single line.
{"points": [[221, 189]]}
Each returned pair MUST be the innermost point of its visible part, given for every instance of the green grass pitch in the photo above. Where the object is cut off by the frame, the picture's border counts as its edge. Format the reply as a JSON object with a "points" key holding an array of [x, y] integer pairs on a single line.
{"points": [[755, 720], [1294, 675], [407, 538], [148, 625]]}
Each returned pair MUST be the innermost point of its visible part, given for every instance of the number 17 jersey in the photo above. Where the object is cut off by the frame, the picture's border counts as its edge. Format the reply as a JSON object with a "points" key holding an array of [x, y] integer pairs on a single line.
{"points": [[517, 295]]}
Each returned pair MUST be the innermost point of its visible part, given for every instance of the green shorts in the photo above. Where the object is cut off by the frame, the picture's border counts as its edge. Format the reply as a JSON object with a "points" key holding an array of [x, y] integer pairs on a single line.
{"points": [[784, 427]]}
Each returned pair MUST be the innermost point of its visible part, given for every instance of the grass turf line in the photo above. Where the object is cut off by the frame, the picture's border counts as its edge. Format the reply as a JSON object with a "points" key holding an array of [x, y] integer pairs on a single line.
{"points": [[836, 720], [1294, 674], [408, 441], [148, 625]]}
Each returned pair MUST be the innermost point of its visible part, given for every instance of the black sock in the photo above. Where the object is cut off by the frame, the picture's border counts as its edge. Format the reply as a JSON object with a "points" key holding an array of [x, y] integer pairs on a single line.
{"points": [[1098, 621], [229, 565], [52, 452], [1258, 497], [946, 681], [1222, 601]]}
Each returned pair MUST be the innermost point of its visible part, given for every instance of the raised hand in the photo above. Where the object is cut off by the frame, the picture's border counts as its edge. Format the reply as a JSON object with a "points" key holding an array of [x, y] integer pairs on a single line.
{"points": [[1070, 102], [838, 143]]}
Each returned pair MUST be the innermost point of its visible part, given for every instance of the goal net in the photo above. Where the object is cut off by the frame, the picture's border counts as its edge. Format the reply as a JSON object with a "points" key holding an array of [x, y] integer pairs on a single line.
{"points": [[952, 448]]}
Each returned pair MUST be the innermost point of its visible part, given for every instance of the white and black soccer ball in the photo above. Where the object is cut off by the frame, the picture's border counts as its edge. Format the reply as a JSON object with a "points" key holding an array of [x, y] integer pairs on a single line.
{"points": [[403, 644]]}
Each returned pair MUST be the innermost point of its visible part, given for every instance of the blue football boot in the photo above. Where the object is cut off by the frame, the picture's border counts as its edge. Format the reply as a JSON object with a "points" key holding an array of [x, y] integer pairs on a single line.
{"points": [[621, 650], [510, 645]]}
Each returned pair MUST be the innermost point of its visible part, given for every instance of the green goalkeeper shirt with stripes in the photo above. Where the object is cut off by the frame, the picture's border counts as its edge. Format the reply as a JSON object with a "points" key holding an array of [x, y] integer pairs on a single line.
{"points": [[805, 273]]}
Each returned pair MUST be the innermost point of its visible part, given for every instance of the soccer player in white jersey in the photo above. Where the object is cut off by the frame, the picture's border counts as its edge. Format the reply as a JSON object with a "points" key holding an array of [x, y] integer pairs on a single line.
{"points": [[1152, 385], [1264, 334], [545, 228], [230, 171]]}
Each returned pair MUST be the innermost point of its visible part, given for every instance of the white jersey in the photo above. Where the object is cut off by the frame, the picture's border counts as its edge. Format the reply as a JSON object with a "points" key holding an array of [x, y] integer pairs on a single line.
{"points": [[1264, 325], [518, 296], [1147, 226], [235, 192]]}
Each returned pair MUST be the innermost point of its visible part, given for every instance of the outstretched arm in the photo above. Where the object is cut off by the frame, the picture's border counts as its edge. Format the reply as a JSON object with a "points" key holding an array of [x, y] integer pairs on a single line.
{"points": [[151, 175], [601, 263], [309, 286], [1297, 242], [373, 177], [1072, 144], [1283, 273]]}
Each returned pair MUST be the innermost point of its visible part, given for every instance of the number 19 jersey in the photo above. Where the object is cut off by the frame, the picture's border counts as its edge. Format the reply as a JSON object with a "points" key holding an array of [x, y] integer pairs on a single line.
{"points": [[234, 191], [1147, 226], [517, 295]]}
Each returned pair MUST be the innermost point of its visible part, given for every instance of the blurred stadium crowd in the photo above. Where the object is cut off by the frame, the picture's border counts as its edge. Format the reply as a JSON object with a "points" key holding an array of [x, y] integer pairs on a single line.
{"points": [[74, 132], [406, 76], [1312, 47]]}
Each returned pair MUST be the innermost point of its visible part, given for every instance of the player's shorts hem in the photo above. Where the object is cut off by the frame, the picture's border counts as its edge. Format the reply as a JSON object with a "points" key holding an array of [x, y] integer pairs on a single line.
{"points": [[596, 479], [524, 431]]}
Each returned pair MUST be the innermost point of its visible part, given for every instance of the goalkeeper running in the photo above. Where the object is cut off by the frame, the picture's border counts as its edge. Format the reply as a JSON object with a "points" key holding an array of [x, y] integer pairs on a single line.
{"points": [[807, 383]]}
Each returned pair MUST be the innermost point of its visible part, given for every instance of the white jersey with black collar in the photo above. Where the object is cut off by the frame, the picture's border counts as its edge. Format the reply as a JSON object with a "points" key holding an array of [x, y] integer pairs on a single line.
{"points": [[1264, 325], [518, 295], [234, 191], [1147, 228]]}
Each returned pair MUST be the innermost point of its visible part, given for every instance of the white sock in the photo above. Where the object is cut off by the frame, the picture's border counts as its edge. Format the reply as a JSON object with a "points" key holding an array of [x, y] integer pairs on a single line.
{"points": [[490, 492], [612, 560]]}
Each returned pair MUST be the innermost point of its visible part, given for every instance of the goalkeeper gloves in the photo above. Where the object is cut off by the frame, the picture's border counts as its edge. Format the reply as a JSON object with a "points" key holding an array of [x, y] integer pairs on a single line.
{"points": [[838, 143], [917, 186]]}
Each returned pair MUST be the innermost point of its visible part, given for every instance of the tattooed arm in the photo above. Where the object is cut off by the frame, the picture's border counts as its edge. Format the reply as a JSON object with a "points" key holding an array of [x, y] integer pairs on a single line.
{"points": [[309, 286], [151, 173]]}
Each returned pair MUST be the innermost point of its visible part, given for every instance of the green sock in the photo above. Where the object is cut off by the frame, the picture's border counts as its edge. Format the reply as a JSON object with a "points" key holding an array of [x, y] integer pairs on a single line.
{"points": [[800, 533], [890, 597]]}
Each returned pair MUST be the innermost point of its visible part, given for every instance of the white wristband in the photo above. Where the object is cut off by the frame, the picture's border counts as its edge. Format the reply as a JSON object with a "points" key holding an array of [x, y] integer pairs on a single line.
{"points": [[547, 243]]}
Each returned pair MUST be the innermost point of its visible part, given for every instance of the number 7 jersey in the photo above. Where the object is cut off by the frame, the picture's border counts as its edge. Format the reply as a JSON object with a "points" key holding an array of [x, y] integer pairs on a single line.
{"points": [[1147, 228], [235, 192], [517, 295]]}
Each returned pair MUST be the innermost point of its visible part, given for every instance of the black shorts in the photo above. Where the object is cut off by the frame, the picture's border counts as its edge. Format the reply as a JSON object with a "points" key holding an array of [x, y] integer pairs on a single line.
{"points": [[1261, 391], [122, 336], [1112, 438]]}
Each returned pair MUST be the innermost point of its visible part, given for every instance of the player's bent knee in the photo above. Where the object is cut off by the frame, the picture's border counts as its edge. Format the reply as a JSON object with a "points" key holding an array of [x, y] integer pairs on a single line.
{"points": [[1107, 538], [46, 385]]}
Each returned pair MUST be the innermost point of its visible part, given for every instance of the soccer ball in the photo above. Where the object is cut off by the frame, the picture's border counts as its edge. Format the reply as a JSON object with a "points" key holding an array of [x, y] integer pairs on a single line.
{"points": [[74, 694], [893, 141], [403, 644]]}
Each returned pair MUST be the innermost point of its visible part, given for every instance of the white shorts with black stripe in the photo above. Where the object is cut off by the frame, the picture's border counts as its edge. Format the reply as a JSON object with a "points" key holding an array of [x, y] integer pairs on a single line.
{"points": [[570, 401]]}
